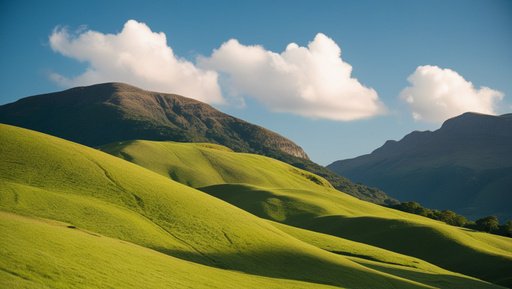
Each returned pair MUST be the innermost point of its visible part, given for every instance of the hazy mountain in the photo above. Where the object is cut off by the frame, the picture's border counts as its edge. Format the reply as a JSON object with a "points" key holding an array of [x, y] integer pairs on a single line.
{"points": [[110, 112], [465, 166]]}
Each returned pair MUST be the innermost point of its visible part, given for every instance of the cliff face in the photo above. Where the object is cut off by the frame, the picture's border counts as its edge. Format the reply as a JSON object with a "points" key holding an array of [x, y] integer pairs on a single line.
{"points": [[110, 112]]}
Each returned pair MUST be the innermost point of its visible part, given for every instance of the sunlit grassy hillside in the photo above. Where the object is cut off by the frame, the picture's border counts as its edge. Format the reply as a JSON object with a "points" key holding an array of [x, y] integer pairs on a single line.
{"points": [[473, 253], [201, 164], [39, 253], [276, 191], [107, 220]]}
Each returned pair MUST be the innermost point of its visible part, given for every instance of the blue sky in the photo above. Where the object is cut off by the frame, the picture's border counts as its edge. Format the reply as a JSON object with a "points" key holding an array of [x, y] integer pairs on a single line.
{"points": [[385, 42]]}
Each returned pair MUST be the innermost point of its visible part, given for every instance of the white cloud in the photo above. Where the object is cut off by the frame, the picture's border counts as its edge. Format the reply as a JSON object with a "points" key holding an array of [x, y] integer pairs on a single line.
{"points": [[437, 94], [137, 56], [310, 81]]}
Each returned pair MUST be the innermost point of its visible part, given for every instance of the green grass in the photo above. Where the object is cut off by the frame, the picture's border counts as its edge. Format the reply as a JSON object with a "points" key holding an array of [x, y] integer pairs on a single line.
{"points": [[279, 192], [199, 165], [383, 260], [356, 249], [131, 223], [108, 221], [40, 253], [472, 253]]}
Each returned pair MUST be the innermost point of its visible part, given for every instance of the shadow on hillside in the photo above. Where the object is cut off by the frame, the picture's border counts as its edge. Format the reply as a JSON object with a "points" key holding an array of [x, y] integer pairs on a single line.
{"points": [[293, 265], [435, 280], [442, 247]]}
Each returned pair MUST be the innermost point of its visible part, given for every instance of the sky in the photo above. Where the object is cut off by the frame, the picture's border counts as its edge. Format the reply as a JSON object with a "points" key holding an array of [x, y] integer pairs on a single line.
{"points": [[339, 78]]}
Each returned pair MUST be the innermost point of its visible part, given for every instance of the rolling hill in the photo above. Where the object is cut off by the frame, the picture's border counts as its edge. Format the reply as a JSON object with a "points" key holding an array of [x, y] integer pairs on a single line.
{"points": [[110, 112], [465, 166], [274, 190], [73, 216]]}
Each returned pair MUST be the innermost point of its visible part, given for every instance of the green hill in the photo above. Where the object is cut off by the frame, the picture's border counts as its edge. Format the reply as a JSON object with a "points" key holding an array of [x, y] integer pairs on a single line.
{"points": [[477, 254], [199, 165], [76, 258], [311, 204], [122, 112], [107, 220]]}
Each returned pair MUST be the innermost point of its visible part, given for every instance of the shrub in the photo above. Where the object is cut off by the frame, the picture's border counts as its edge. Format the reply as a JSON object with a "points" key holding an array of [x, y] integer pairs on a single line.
{"points": [[488, 224]]}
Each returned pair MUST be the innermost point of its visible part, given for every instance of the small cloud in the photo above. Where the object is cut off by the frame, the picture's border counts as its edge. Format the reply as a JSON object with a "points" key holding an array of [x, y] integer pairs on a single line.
{"points": [[310, 81], [436, 94], [137, 56]]}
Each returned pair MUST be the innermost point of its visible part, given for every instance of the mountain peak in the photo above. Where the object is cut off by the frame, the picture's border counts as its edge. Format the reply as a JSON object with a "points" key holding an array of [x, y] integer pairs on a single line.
{"points": [[464, 166], [467, 117], [120, 86], [109, 112], [471, 123]]}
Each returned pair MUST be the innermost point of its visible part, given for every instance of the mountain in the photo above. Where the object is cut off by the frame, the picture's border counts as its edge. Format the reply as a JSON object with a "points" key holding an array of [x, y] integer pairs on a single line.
{"points": [[105, 113], [465, 166], [102, 220], [109, 112]]}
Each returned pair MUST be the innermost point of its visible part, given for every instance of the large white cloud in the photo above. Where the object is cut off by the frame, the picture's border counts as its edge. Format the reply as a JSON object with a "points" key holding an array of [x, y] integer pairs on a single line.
{"points": [[310, 81], [137, 56], [436, 94]]}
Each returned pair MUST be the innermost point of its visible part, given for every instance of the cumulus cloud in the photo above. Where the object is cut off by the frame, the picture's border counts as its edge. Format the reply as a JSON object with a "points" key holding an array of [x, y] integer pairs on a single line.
{"points": [[310, 81], [137, 56], [436, 94]]}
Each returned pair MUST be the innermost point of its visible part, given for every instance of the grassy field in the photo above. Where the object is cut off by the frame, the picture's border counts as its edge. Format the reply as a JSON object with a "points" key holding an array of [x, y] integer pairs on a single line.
{"points": [[278, 192], [72, 216], [200, 165], [38, 253], [472, 253]]}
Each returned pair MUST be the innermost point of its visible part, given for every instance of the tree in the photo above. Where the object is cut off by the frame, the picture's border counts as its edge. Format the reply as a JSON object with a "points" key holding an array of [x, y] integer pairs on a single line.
{"points": [[488, 224], [412, 207], [450, 217], [507, 228], [460, 221]]}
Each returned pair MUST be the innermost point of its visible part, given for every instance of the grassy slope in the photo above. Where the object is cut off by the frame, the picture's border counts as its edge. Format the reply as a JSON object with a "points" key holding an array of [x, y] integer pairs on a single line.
{"points": [[72, 258], [47, 177], [473, 253], [278, 192], [199, 165], [402, 265]]}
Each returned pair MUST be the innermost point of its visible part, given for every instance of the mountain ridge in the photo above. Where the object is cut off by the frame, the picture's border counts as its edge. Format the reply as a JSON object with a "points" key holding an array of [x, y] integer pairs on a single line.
{"points": [[153, 111], [465, 165]]}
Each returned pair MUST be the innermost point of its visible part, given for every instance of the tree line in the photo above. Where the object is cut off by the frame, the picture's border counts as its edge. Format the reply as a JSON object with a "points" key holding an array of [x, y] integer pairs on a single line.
{"points": [[489, 224]]}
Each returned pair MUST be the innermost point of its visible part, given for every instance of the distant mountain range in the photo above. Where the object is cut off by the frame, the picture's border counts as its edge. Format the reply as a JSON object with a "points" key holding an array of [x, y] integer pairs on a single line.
{"points": [[111, 112], [465, 166]]}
